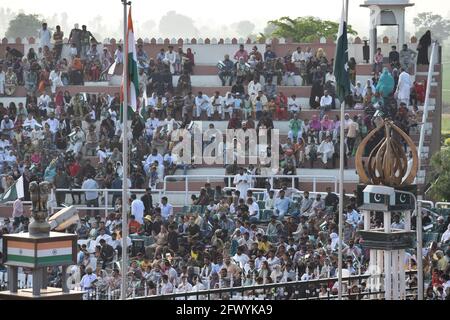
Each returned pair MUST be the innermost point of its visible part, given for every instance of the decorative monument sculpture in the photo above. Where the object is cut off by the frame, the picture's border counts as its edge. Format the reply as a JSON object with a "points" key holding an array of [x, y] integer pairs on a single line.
{"points": [[386, 189], [40, 248]]}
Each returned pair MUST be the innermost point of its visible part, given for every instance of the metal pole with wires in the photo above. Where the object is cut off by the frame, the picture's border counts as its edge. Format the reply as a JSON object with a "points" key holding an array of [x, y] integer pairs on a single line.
{"points": [[341, 175], [125, 161]]}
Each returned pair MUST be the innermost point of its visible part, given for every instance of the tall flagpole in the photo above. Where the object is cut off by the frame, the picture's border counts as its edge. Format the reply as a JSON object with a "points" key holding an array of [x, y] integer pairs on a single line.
{"points": [[123, 290], [341, 186]]}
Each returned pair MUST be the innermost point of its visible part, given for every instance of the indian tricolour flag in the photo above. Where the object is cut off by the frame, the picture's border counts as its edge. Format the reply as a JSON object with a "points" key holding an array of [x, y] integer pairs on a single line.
{"points": [[14, 192], [132, 75], [43, 254]]}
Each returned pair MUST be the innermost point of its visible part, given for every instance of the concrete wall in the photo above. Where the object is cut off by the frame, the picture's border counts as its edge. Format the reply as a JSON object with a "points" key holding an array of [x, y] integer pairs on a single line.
{"points": [[209, 52]]}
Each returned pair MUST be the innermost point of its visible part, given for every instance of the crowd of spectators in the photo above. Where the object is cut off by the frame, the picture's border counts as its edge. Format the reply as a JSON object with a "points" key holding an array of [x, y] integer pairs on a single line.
{"points": [[233, 237]]}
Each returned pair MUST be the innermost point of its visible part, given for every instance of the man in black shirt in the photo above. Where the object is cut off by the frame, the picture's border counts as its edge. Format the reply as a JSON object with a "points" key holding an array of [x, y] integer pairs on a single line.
{"points": [[87, 170], [331, 199], [157, 222], [148, 201], [394, 58], [106, 253], [238, 88], [172, 238], [193, 231], [61, 181], [13, 53], [209, 191]]}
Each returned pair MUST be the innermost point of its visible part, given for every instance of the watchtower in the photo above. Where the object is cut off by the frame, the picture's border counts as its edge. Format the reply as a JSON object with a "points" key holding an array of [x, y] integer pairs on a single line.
{"points": [[386, 13]]}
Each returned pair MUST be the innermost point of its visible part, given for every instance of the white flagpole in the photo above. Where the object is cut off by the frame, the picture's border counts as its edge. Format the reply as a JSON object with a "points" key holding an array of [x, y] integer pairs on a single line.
{"points": [[125, 154], [341, 187]]}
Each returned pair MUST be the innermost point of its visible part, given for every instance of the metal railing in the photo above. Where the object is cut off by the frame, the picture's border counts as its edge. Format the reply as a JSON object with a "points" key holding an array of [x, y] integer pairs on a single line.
{"points": [[104, 195], [442, 205], [286, 290], [237, 289], [229, 178]]}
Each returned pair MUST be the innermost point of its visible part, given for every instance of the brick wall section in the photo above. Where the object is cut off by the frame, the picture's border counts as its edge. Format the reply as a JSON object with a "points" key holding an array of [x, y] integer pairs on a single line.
{"points": [[153, 46]]}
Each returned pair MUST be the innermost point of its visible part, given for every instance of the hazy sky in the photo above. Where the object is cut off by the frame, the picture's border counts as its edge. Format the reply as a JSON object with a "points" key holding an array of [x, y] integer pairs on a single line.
{"points": [[214, 13]]}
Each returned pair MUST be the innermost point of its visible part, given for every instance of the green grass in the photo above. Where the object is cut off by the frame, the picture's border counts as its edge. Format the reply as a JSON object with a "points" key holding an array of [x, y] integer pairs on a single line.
{"points": [[446, 84], [446, 75], [446, 123]]}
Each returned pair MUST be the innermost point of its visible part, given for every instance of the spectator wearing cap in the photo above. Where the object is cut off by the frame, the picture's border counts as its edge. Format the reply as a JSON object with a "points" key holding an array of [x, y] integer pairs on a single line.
{"points": [[87, 283]]}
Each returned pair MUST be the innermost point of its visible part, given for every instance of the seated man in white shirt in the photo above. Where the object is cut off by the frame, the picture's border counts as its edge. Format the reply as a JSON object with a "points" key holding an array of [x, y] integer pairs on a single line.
{"points": [[326, 150], [298, 56], [325, 103], [88, 280], [154, 156], [293, 106], [217, 103], [150, 126], [240, 257], [104, 236], [202, 103], [253, 210], [43, 102]]}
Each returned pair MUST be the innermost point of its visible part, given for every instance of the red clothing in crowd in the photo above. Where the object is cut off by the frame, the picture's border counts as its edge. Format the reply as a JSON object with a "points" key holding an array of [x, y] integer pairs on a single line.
{"points": [[74, 168]]}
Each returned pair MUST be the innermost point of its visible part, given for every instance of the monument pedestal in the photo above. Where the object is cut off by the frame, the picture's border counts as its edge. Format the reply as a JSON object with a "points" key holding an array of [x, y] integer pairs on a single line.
{"points": [[38, 253], [45, 294]]}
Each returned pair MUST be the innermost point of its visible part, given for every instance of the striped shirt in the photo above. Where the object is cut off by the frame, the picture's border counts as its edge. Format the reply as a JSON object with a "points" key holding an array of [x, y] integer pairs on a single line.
{"points": [[17, 208]]}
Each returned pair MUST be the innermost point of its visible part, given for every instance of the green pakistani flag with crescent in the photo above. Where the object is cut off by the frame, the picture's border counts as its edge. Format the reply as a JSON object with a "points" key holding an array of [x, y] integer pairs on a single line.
{"points": [[341, 60], [14, 192]]}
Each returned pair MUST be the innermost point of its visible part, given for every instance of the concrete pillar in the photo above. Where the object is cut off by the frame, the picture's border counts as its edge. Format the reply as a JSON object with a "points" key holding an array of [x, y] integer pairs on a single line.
{"points": [[373, 269], [44, 278], [380, 265], [366, 215], [387, 222], [401, 29], [12, 279], [37, 282], [65, 288], [373, 42], [407, 215], [402, 278], [395, 275], [388, 275]]}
